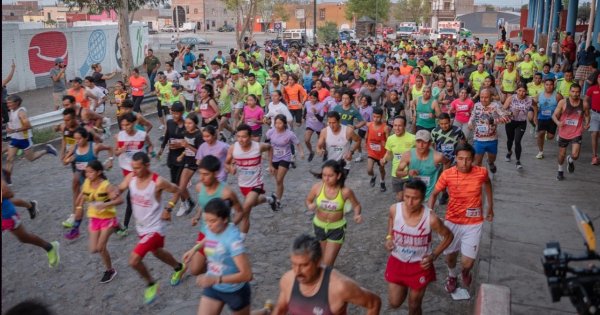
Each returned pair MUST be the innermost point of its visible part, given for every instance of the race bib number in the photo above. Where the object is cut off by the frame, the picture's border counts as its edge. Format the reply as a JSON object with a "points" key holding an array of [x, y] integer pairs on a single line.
{"points": [[462, 107], [473, 213], [482, 129], [328, 205], [247, 172], [294, 103], [448, 147], [129, 154], [425, 179], [397, 156], [133, 89], [189, 152], [215, 268], [80, 166], [337, 149], [373, 103], [375, 146], [278, 151], [571, 122], [204, 106], [546, 112], [424, 115]]}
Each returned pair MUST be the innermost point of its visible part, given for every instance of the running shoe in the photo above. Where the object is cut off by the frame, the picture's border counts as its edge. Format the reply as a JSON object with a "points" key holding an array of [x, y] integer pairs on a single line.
{"points": [[595, 160], [176, 276], [571, 164], [51, 150], [72, 234], [191, 205], [467, 278], [561, 175], [69, 222], [293, 164], [279, 206], [183, 208], [122, 232], [493, 168], [507, 157], [33, 211], [268, 306], [359, 158], [382, 187], [519, 166], [161, 127], [540, 155], [311, 156], [150, 293], [7, 178], [372, 182], [54, 255], [273, 202], [450, 284], [108, 275]]}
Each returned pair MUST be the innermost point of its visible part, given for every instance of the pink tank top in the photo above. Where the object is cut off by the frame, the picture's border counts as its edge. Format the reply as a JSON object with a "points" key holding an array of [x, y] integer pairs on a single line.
{"points": [[572, 119]]}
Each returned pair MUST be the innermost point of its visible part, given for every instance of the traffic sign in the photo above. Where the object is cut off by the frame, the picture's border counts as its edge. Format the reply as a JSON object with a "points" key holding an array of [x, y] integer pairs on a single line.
{"points": [[299, 14], [277, 26]]}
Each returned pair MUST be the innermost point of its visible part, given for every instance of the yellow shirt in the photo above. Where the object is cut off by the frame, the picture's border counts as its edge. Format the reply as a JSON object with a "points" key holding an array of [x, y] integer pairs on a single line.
{"points": [[534, 90], [539, 61], [513, 58], [100, 194], [477, 79], [527, 69], [509, 81]]}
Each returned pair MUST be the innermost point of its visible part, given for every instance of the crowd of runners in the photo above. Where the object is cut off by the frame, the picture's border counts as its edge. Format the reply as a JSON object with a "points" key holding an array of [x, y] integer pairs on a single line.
{"points": [[431, 109]]}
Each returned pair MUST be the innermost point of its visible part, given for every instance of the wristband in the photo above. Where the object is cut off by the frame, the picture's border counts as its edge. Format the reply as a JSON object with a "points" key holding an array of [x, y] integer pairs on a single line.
{"points": [[78, 208], [171, 203], [388, 237]]}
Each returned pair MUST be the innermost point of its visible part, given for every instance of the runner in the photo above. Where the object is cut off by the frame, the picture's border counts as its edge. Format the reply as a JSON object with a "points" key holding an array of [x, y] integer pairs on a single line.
{"points": [[223, 98], [518, 105], [543, 109], [12, 222], [315, 113], [229, 272], [295, 96], [394, 107], [99, 195], [245, 156], [20, 132], [396, 145], [83, 152], [128, 142], [484, 119], [421, 162], [461, 108], [192, 139], [208, 109], [280, 154], [464, 215], [312, 288], [424, 111], [214, 147], [174, 138], [446, 137], [327, 200], [253, 115], [410, 266], [146, 188], [163, 90], [592, 97], [239, 90], [572, 116], [336, 140], [377, 134]]}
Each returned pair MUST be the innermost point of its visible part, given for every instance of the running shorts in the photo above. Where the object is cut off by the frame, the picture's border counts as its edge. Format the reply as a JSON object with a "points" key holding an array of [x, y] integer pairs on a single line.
{"points": [[11, 223], [466, 239], [236, 301], [97, 224], [285, 164], [481, 147], [547, 125], [257, 132], [22, 144], [257, 189], [333, 232], [297, 115], [563, 143], [149, 243], [410, 275], [594, 121]]}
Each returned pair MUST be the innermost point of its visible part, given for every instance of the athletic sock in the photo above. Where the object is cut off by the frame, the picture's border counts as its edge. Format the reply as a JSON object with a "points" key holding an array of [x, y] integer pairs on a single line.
{"points": [[453, 272], [179, 267], [76, 224], [569, 159], [48, 247], [560, 168], [243, 236], [269, 199]]}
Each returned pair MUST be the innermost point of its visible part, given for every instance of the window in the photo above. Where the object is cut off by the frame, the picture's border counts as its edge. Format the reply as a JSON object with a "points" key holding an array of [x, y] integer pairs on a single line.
{"points": [[187, 9], [447, 6], [213, 23], [322, 14], [214, 12], [49, 16], [196, 11]]}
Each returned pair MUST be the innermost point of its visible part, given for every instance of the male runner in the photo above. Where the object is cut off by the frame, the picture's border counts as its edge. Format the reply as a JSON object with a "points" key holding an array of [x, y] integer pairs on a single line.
{"points": [[336, 140], [446, 137], [377, 134], [396, 145]]}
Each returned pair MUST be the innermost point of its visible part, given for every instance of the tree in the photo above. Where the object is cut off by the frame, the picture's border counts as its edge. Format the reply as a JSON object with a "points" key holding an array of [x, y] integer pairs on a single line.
{"points": [[123, 8], [583, 13], [245, 12], [328, 32], [416, 11], [375, 9], [280, 12]]}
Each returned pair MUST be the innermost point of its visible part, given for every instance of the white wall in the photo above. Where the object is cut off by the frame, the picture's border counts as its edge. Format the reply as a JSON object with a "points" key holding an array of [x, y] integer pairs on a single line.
{"points": [[34, 51]]}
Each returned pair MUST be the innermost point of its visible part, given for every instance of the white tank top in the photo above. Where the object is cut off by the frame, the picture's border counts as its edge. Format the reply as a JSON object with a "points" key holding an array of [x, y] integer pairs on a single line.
{"points": [[411, 243], [146, 209], [14, 122], [337, 145], [133, 144], [249, 166]]}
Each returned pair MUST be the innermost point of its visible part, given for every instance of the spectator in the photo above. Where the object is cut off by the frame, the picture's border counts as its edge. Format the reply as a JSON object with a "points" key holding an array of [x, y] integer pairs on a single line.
{"points": [[152, 65], [99, 78], [59, 82]]}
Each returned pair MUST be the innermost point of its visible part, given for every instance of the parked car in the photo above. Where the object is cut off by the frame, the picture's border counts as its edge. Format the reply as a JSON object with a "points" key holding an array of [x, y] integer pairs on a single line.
{"points": [[194, 41], [168, 29], [226, 28], [271, 30], [465, 32], [152, 31]]}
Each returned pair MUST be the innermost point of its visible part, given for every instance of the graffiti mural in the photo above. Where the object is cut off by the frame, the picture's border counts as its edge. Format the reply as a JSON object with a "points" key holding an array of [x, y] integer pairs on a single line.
{"points": [[118, 57], [44, 48], [96, 51]]}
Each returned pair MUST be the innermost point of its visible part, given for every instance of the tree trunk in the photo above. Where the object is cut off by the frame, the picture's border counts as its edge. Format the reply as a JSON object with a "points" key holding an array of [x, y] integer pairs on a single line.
{"points": [[125, 41]]}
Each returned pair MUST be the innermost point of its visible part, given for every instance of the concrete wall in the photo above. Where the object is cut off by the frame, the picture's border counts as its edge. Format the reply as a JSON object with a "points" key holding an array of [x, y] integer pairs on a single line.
{"points": [[34, 51]]}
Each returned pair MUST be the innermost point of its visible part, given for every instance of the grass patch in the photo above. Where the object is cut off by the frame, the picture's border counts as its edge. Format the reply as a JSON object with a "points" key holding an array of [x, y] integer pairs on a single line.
{"points": [[43, 135]]}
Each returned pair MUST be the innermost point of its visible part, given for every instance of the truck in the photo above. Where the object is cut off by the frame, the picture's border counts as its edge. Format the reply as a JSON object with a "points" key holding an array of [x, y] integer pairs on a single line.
{"points": [[449, 30], [406, 30], [187, 27]]}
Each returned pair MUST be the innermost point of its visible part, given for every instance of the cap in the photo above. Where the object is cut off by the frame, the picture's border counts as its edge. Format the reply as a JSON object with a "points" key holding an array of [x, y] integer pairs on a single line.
{"points": [[76, 79], [234, 71], [177, 86], [542, 49], [58, 60], [184, 72], [423, 135], [177, 107]]}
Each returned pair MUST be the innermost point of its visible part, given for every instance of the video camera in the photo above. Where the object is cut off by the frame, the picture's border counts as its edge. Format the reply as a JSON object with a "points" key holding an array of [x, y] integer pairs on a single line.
{"points": [[581, 285]]}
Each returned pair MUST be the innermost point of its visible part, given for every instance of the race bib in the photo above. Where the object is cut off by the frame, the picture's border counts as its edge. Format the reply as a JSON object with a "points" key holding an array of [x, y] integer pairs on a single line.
{"points": [[189, 152], [278, 151], [571, 122], [204, 106], [482, 129], [129, 154], [448, 147], [294, 103], [328, 205], [546, 112], [425, 179], [397, 156], [337, 149], [133, 89], [247, 172], [462, 107], [424, 115], [215, 268], [373, 103], [473, 213], [80, 166], [375, 146]]}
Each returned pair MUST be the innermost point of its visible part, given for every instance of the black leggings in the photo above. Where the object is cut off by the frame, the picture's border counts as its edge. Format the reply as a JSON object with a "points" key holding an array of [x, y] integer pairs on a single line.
{"points": [[137, 103], [128, 210], [514, 133], [175, 171]]}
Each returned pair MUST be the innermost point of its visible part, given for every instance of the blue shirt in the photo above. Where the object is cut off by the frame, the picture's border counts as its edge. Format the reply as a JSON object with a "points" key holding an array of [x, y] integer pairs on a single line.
{"points": [[188, 59], [220, 250]]}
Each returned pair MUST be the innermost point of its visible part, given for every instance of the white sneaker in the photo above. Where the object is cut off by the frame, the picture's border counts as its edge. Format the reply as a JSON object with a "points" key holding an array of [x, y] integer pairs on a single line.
{"points": [[182, 209], [540, 155], [358, 158], [161, 127], [69, 222]]}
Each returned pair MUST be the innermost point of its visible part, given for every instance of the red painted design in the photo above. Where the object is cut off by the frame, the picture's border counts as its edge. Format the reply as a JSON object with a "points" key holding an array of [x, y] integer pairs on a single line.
{"points": [[44, 48]]}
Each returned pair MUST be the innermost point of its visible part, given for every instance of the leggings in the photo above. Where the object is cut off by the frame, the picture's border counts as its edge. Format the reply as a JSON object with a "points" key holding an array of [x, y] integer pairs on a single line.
{"points": [[175, 171], [128, 210], [514, 132], [137, 103]]}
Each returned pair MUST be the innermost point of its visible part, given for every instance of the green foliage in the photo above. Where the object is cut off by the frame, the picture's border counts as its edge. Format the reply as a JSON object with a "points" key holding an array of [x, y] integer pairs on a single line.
{"points": [[375, 9], [583, 13], [44, 135], [101, 5], [413, 11], [328, 32], [280, 12]]}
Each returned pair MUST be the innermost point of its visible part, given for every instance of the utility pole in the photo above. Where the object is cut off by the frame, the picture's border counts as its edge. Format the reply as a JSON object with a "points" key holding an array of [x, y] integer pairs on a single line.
{"points": [[314, 22]]}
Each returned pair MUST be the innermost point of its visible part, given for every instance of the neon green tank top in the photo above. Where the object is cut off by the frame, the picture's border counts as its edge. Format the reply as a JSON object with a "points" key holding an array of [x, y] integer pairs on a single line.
{"points": [[335, 205], [509, 81]]}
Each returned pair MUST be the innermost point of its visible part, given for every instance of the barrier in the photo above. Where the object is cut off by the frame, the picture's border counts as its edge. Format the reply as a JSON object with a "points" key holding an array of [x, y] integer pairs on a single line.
{"points": [[492, 300]]}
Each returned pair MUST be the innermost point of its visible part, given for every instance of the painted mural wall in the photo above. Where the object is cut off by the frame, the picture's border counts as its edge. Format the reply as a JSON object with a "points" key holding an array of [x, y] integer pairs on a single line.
{"points": [[34, 52]]}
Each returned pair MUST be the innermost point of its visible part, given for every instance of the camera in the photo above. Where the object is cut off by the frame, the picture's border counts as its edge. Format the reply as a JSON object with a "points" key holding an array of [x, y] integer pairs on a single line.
{"points": [[581, 285]]}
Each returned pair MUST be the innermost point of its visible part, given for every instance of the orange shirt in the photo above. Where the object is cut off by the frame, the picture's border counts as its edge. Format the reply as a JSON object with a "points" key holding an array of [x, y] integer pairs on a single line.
{"points": [[376, 139], [465, 204], [80, 97], [406, 70], [294, 96], [323, 94], [137, 85]]}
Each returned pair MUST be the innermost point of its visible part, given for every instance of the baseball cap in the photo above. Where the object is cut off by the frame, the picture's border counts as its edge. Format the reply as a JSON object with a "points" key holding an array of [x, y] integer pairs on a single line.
{"points": [[76, 79], [234, 71], [423, 135], [58, 60], [183, 72], [177, 86], [542, 49], [177, 107]]}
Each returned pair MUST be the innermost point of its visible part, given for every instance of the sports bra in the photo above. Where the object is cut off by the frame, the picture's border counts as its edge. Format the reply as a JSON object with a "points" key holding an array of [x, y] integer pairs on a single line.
{"points": [[335, 205]]}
